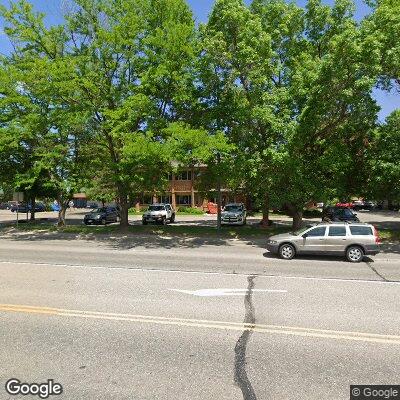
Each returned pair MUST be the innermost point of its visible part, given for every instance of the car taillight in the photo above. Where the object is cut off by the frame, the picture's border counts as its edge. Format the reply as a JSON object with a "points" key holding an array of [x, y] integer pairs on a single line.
{"points": [[376, 234]]}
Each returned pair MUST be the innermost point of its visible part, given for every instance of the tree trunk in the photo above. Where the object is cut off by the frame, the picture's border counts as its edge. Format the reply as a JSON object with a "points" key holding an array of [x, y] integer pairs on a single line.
{"points": [[219, 197], [123, 203], [297, 219], [219, 206], [33, 203], [265, 212], [61, 214], [297, 215]]}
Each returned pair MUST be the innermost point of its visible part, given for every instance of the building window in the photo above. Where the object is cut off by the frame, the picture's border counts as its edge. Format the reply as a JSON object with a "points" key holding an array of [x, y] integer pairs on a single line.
{"points": [[169, 176], [184, 176], [166, 199], [147, 199], [184, 200]]}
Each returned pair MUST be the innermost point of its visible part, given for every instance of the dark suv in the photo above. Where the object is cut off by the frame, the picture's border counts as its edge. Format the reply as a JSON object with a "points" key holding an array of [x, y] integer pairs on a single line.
{"points": [[103, 216], [336, 214]]}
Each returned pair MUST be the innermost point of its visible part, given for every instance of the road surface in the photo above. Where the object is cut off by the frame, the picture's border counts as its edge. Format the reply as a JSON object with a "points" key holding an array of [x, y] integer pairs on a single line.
{"points": [[163, 318]]}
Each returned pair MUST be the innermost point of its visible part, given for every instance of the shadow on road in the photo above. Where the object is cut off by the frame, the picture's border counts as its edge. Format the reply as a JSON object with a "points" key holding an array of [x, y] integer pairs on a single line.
{"points": [[315, 258]]}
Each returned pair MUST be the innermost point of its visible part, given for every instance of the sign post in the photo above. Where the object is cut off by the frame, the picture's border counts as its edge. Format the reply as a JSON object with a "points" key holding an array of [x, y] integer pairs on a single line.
{"points": [[18, 197]]}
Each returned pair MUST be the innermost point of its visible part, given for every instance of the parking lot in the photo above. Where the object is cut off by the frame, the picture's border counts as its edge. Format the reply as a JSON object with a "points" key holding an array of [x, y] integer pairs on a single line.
{"points": [[382, 219]]}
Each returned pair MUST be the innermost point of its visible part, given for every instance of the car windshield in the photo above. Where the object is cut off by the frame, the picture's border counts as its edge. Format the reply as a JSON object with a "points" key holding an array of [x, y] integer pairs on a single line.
{"points": [[347, 213], [233, 208], [300, 231], [100, 210], [156, 208]]}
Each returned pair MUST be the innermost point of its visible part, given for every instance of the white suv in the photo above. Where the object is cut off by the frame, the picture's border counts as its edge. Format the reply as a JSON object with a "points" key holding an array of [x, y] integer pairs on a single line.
{"points": [[159, 213]]}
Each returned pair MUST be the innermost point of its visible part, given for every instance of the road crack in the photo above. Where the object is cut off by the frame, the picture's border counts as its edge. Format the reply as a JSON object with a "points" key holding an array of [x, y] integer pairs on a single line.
{"points": [[376, 272], [241, 378]]}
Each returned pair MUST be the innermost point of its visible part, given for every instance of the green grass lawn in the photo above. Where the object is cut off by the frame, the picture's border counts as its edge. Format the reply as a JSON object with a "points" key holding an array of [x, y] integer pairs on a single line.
{"points": [[389, 235], [181, 230], [240, 232]]}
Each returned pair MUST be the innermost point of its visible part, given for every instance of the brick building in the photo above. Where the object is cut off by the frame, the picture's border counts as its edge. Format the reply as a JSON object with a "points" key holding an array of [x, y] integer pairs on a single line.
{"points": [[183, 191]]}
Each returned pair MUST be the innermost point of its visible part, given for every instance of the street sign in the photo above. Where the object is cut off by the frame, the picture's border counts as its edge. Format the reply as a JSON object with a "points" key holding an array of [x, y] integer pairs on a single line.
{"points": [[224, 292], [18, 197]]}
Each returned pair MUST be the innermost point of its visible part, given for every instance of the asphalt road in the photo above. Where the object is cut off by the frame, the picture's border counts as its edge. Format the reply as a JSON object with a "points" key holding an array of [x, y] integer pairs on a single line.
{"points": [[163, 318]]}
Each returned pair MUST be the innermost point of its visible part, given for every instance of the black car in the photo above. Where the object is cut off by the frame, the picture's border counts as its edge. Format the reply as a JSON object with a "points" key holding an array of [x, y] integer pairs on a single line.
{"points": [[23, 208], [336, 214], [103, 216], [364, 205], [5, 206]]}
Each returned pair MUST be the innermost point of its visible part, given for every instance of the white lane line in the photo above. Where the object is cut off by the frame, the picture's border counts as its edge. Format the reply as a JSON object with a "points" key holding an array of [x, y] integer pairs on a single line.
{"points": [[172, 271], [224, 292]]}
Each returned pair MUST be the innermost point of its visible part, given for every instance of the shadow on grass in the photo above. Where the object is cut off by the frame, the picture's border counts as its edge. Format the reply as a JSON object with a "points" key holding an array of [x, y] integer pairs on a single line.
{"points": [[150, 236], [170, 236]]}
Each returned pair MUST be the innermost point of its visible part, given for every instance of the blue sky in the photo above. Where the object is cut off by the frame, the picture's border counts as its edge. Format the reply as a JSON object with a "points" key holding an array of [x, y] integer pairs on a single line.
{"points": [[201, 9]]}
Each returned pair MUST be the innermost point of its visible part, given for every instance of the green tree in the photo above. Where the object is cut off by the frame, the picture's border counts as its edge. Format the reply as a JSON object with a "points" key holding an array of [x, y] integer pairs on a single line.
{"points": [[237, 89], [384, 157], [43, 138], [131, 68], [322, 67], [122, 64], [193, 147], [381, 31]]}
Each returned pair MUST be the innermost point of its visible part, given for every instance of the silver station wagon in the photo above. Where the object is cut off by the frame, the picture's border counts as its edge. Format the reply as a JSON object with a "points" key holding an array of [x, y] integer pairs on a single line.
{"points": [[352, 240]]}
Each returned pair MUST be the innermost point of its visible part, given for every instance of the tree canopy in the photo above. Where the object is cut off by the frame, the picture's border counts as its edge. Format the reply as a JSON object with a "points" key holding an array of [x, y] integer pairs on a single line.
{"points": [[119, 92]]}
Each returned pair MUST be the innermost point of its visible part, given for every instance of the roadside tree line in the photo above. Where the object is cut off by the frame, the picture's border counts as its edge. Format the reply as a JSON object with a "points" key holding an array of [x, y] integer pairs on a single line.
{"points": [[271, 96]]}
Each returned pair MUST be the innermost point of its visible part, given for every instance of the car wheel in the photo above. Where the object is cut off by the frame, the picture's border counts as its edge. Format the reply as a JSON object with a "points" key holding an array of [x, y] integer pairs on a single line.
{"points": [[287, 251], [172, 219], [103, 221], [354, 254], [164, 221], [144, 222]]}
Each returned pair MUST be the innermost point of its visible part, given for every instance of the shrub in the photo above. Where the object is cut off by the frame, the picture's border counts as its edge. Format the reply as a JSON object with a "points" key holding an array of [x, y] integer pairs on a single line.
{"points": [[190, 210], [141, 210]]}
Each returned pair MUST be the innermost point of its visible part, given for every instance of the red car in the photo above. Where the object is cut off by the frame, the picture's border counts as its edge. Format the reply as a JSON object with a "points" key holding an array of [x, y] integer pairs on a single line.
{"points": [[343, 204]]}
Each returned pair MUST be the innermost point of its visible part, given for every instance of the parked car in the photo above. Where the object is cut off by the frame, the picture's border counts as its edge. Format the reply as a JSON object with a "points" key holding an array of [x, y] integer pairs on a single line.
{"points": [[5, 206], [352, 240], [344, 204], [336, 214], [358, 204], [102, 215], [23, 207], [364, 205], [159, 213], [394, 207], [234, 214], [370, 205]]}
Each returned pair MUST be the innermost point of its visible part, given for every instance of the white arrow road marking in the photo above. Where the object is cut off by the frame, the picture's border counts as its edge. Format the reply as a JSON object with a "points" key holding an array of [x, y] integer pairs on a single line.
{"points": [[224, 292]]}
